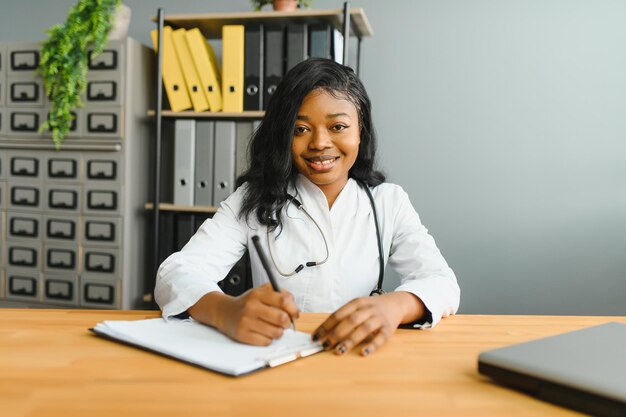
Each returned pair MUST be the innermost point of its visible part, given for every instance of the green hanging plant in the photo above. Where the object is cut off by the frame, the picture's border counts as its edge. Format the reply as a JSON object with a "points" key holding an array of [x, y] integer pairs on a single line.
{"points": [[65, 57]]}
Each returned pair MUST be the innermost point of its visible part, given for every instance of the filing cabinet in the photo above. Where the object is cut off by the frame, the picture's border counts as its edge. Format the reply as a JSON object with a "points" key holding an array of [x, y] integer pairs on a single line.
{"points": [[72, 227]]}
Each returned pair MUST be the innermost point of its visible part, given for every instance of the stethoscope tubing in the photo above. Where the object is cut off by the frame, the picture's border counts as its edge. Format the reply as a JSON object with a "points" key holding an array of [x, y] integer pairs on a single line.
{"points": [[381, 271]]}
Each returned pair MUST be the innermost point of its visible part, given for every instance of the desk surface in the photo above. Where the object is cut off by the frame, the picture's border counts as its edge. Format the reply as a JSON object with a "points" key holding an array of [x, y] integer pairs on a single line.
{"points": [[51, 365]]}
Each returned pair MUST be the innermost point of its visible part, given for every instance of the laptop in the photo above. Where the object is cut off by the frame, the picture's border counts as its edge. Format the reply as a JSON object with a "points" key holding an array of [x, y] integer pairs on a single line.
{"points": [[584, 370]]}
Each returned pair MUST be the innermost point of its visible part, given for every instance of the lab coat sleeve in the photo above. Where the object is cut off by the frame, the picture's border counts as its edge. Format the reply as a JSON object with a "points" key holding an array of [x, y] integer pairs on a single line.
{"points": [[422, 268], [185, 276]]}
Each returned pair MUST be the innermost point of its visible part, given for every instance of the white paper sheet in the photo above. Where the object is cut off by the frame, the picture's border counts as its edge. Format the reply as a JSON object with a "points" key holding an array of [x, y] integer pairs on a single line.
{"points": [[193, 342]]}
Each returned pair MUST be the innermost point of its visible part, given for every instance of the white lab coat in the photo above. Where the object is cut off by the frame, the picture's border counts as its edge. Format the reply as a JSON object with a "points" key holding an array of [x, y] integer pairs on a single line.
{"points": [[352, 267]]}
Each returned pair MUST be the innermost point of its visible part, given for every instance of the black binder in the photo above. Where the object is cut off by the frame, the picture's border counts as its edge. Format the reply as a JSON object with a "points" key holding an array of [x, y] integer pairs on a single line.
{"points": [[274, 60], [297, 44], [320, 41], [239, 279], [253, 68]]}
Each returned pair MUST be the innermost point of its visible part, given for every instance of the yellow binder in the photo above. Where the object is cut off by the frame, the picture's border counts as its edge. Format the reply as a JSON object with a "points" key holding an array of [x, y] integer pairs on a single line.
{"points": [[173, 80], [198, 98], [232, 67], [206, 65]]}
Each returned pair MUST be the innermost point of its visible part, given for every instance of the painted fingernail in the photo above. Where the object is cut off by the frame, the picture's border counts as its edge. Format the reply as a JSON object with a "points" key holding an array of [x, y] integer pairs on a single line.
{"points": [[341, 349], [325, 344], [366, 351], [315, 337]]}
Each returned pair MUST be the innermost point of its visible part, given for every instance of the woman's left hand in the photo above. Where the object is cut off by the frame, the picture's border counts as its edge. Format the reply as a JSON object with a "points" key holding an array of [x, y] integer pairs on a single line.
{"points": [[368, 320]]}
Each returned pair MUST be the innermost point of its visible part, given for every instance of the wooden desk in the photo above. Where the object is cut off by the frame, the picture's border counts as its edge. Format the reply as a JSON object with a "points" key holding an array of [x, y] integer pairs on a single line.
{"points": [[51, 365]]}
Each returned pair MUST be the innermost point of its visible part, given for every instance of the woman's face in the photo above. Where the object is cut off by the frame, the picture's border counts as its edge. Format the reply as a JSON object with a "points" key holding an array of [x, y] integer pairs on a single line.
{"points": [[326, 141]]}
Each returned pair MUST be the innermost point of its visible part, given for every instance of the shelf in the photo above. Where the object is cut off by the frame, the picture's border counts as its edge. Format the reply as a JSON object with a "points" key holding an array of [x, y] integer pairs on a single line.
{"points": [[211, 23], [209, 115], [182, 209]]}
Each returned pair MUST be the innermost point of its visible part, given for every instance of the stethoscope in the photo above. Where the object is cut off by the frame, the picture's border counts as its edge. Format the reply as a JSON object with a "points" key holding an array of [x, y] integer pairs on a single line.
{"points": [[381, 270]]}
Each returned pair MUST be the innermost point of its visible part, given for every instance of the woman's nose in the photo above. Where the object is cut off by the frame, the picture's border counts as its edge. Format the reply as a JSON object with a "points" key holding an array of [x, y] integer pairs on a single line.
{"points": [[320, 139]]}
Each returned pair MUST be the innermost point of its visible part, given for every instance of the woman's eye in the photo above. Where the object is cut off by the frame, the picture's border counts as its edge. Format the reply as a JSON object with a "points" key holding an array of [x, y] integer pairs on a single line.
{"points": [[339, 128], [299, 130]]}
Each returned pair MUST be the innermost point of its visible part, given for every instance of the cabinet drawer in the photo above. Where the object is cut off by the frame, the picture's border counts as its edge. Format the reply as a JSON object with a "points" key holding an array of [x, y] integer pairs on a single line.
{"points": [[3, 195], [61, 258], [63, 197], [60, 228], [23, 254], [100, 293], [102, 231], [3, 71], [100, 167], [103, 123], [101, 261], [23, 58], [103, 200], [4, 165], [23, 226], [102, 92], [63, 168], [24, 122], [22, 165], [60, 289], [76, 127], [24, 196], [107, 60], [23, 284], [3, 122], [24, 92]]}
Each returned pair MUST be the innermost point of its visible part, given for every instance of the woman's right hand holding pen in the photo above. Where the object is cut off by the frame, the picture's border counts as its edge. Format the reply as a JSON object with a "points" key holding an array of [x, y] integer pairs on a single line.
{"points": [[256, 317]]}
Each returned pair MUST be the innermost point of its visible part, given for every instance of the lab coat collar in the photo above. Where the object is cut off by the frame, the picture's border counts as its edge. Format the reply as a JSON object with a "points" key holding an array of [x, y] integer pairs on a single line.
{"points": [[307, 190]]}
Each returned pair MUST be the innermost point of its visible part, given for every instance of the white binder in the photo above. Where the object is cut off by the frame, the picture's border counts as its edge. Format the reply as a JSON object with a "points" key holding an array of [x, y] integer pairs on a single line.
{"points": [[205, 143], [184, 159], [243, 133], [224, 172]]}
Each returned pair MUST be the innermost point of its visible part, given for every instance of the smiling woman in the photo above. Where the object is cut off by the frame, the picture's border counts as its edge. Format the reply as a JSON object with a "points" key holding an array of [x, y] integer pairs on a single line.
{"points": [[313, 191], [326, 141]]}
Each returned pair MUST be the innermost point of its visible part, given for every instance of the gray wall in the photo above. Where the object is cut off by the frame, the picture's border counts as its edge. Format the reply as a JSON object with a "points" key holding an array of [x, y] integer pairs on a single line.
{"points": [[505, 121]]}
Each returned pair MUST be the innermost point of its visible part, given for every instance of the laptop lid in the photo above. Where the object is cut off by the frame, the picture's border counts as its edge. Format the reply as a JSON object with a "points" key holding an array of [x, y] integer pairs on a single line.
{"points": [[584, 370]]}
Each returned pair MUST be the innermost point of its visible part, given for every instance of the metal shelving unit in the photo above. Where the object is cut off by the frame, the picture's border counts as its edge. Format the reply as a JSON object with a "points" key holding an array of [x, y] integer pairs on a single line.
{"points": [[351, 22]]}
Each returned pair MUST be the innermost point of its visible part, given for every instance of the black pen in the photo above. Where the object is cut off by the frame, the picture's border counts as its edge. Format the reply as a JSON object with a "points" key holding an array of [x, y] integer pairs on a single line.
{"points": [[259, 250]]}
